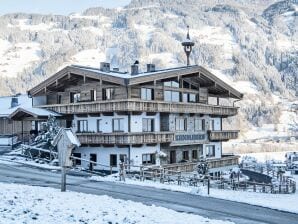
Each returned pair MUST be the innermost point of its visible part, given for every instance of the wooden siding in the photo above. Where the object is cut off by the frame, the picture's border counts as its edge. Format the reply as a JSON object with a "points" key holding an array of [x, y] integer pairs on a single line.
{"points": [[139, 105], [119, 138]]}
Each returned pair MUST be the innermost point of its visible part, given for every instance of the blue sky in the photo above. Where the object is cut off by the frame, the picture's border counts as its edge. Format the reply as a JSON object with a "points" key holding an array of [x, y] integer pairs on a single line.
{"points": [[63, 7]]}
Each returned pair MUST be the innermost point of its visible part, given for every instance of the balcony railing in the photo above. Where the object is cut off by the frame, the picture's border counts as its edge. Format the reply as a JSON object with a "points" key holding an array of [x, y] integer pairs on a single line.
{"points": [[139, 105], [222, 135], [125, 138], [212, 163]]}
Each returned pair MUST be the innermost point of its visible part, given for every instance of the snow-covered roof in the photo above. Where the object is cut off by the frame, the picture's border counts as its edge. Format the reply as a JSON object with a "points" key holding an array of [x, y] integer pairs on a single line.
{"points": [[5, 104], [34, 112], [72, 137], [127, 75]]}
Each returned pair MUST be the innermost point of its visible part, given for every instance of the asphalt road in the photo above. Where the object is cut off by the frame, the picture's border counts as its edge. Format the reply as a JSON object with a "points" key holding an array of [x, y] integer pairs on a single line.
{"points": [[208, 207]]}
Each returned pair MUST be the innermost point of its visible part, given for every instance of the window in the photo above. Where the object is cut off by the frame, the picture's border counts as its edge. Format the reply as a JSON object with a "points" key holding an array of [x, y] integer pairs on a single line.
{"points": [[185, 155], [174, 84], [108, 93], [98, 124], [181, 124], [203, 125], [198, 124], [185, 97], [147, 94], [118, 124], [92, 95], [75, 97], [123, 158], [210, 150], [59, 99], [82, 126], [113, 160], [194, 154], [192, 98], [148, 158], [211, 125], [77, 161], [171, 96], [148, 125]]}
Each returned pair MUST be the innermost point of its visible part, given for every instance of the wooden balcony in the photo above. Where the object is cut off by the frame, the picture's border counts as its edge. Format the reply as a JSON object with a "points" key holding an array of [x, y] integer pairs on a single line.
{"points": [[140, 105], [120, 138], [222, 135]]}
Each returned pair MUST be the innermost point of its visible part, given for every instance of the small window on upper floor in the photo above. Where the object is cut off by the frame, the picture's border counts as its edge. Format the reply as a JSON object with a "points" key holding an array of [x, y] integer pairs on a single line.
{"points": [[108, 93], [147, 94]]}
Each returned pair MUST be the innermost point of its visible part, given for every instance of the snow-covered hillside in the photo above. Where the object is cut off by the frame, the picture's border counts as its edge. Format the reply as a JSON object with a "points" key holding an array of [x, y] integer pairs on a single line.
{"points": [[252, 44]]}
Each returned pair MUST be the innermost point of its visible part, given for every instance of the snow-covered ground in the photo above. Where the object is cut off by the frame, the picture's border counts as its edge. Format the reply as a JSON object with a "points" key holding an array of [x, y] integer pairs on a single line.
{"points": [[283, 202], [11, 160], [28, 204], [265, 156]]}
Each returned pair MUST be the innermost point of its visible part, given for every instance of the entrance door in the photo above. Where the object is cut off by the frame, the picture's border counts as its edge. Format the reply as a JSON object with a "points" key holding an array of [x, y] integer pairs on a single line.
{"points": [[93, 158], [173, 156]]}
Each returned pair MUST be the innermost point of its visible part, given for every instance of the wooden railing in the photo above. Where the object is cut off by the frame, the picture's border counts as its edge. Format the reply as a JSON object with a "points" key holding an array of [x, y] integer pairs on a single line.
{"points": [[125, 138], [222, 135], [212, 163], [140, 105]]}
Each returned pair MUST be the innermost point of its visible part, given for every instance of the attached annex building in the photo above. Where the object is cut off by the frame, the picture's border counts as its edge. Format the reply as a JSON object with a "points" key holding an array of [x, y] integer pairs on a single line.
{"points": [[158, 117]]}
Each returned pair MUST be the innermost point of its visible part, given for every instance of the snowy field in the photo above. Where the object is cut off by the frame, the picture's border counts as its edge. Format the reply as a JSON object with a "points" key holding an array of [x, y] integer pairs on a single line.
{"points": [[27, 204], [265, 156], [283, 202]]}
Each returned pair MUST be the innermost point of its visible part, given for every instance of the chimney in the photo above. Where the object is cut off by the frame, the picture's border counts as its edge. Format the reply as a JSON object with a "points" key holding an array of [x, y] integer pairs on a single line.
{"points": [[135, 68], [150, 67], [14, 102], [104, 67]]}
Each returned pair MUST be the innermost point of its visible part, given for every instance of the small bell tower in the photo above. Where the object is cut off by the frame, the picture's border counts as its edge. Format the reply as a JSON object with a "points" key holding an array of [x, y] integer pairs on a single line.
{"points": [[187, 44]]}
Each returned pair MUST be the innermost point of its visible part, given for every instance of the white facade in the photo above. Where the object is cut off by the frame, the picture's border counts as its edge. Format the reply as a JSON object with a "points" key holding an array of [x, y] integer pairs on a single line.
{"points": [[136, 153], [103, 155]]}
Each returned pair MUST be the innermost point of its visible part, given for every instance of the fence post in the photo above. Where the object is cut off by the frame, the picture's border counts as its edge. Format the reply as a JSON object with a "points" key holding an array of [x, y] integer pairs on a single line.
{"points": [[208, 185]]}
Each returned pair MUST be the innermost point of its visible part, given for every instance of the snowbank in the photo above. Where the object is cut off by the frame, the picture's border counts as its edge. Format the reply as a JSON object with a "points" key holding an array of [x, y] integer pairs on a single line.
{"points": [[27, 204]]}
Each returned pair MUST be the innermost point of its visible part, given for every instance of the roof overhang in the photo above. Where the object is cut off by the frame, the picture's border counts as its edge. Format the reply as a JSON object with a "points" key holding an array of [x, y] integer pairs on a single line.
{"points": [[70, 74], [195, 75], [32, 114]]}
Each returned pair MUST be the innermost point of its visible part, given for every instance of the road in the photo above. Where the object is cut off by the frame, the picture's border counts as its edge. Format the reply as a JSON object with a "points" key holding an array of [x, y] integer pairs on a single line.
{"points": [[208, 207]]}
